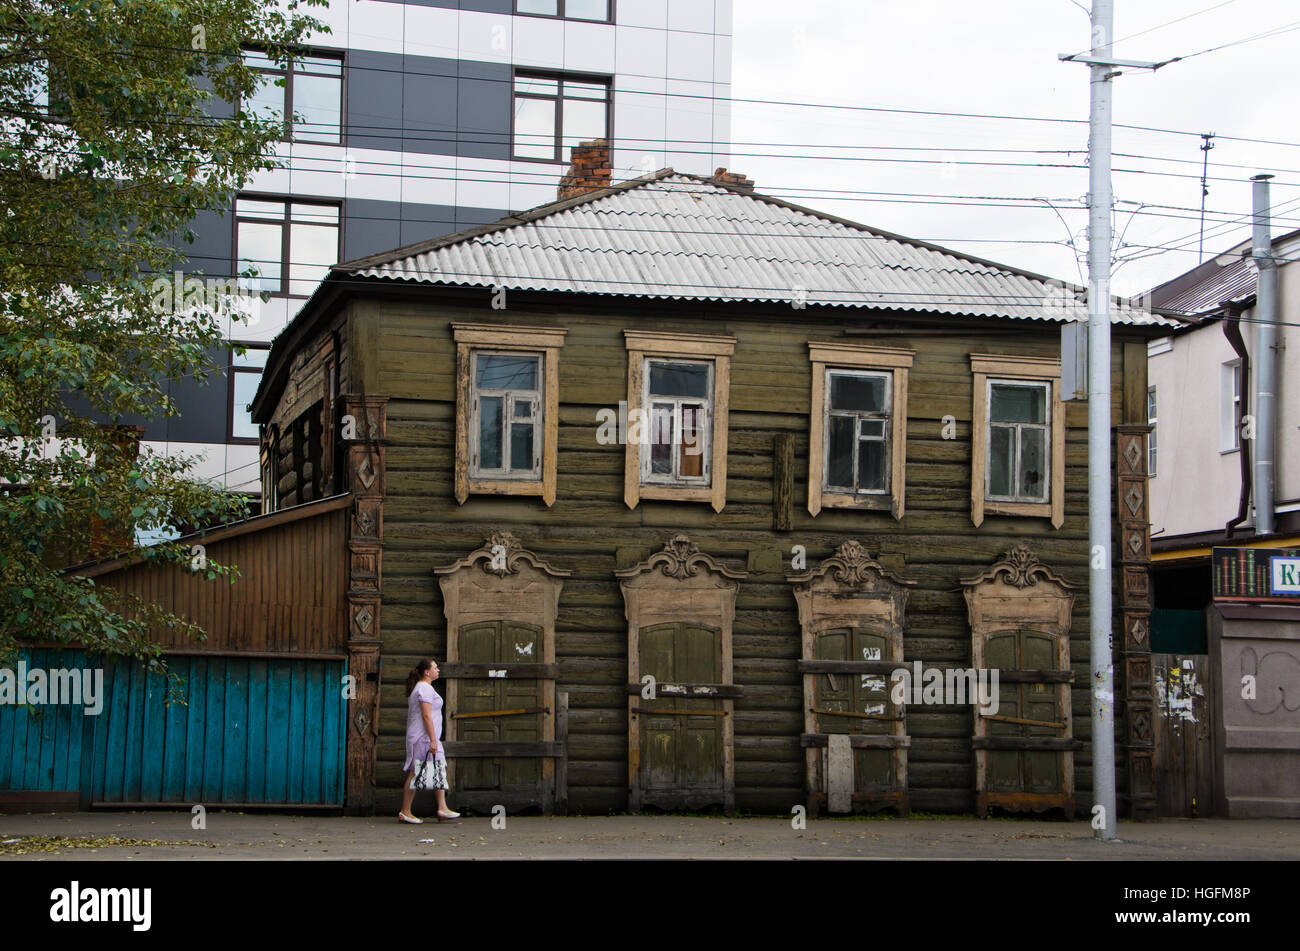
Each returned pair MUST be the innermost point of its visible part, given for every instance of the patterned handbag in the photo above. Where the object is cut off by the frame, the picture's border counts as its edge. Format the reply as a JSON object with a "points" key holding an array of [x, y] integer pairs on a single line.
{"points": [[432, 774]]}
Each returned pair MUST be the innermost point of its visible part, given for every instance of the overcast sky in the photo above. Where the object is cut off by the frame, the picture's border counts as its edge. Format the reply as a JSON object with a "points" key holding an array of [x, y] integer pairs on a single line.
{"points": [[1000, 57]]}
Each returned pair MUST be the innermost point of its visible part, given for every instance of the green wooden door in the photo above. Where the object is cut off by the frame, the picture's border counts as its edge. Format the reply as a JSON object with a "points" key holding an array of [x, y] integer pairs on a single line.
{"points": [[499, 642], [1029, 771], [681, 753], [866, 695]]}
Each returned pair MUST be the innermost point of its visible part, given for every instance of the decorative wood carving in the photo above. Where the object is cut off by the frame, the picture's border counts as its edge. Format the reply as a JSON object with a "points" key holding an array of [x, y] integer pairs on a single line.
{"points": [[849, 605], [1135, 612], [365, 479], [503, 583], [1020, 616], [677, 594]]}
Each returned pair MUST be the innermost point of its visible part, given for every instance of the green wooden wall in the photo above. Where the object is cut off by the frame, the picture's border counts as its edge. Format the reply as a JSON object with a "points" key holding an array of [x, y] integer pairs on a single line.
{"points": [[404, 350]]}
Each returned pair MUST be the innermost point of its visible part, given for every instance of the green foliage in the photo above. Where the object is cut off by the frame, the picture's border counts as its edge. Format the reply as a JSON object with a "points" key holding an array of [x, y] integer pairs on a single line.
{"points": [[117, 127]]}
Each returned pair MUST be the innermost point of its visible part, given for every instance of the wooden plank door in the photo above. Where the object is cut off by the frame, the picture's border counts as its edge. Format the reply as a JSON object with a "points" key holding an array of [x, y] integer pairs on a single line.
{"points": [[682, 738], [1029, 771], [863, 697], [500, 642], [1184, 761]]}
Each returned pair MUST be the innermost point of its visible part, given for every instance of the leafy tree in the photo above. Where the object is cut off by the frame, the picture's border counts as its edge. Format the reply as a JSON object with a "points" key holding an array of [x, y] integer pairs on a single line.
{"points": [[116, 129]]}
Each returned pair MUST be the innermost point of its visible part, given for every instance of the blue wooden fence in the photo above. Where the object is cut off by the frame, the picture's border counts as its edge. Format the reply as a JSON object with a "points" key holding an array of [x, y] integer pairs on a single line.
{"points": [[251, 731]]}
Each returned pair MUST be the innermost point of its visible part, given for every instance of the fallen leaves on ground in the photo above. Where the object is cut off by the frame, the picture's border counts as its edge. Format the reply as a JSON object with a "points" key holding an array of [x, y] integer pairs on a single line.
{"points": [[30, 844]]}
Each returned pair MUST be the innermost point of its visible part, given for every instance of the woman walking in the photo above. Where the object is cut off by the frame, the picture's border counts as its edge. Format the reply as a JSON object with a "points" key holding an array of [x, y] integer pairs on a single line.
{"points": [[424, 740]]}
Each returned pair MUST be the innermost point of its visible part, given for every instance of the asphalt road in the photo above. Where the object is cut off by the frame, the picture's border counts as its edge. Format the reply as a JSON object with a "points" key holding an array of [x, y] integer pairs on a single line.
{"points": [[261, 837]]}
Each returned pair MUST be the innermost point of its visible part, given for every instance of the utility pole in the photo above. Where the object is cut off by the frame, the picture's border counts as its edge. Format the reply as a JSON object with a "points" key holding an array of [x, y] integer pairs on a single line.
{"points": [[1102, 67], [1207, 143]]}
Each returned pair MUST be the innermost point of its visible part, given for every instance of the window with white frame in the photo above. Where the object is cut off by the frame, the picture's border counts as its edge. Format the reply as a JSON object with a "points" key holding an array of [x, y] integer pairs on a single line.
{"points": [[1019, 442], [1017, 437], [1151, 421], [858, 456], [1230, 407], [678, 388], [506, 416], [679, 400], [507, 410]]}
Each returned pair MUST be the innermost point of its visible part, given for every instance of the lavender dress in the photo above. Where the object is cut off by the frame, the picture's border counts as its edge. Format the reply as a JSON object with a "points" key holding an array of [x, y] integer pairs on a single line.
{"points": [[417, 740]]}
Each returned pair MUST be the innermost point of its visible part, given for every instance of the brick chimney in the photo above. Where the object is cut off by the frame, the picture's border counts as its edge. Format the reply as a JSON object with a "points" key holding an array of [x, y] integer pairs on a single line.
{"points": [[590, 170], [734, 179]]}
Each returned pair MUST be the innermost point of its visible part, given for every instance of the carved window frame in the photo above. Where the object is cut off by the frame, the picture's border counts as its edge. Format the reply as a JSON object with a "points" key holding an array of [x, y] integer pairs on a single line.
{"points": [[1016, 369], [509, 584], [680, 584], [642, 346], [829, 356], [1018, 593], [544, 342], [851, 590]]}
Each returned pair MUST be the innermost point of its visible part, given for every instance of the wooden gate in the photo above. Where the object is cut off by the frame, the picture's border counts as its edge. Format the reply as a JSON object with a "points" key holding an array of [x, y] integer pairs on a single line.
{"points": [[855, 738], [1020, 612], [503, 715], [680, 604], [1183, 736]]}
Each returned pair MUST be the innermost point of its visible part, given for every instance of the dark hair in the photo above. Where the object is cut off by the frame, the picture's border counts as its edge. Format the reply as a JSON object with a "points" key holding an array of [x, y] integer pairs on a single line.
{"points": [[416, 673]]}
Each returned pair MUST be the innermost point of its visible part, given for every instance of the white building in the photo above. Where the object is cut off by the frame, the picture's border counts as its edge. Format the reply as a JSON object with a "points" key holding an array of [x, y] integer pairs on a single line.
{"points": [[425, 117], [1201, 402]]}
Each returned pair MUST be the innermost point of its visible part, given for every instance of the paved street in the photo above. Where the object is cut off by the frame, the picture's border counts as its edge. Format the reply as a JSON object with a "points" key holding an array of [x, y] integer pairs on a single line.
{"points": [[263, 837]]}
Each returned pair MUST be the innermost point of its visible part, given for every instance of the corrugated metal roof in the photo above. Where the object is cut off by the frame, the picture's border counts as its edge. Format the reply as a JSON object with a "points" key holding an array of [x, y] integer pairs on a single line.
{"points": [[1229, 277], [681, 237], [1226, 278]]}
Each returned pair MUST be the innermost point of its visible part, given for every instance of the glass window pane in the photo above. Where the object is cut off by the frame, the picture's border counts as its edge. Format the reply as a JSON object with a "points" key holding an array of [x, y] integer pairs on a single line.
{"points": [[586, 9], [259, 247], [258, 60], [267, 103], [329, 65], [523, 409], [254, 357], [871, 465], [245, 385], [679, 379], [521, 446], [576, 90], [312, 249], [252, 208], [537, 85], [861, 393], [839, 461], [1001, 449], [661, 439], [489, 432], [319, 101], [1033, 463], [499, 371], [583, 120], [548, 8], [872, 428], [534, 128], [1018, 404], [314, 214], [691, 463]]}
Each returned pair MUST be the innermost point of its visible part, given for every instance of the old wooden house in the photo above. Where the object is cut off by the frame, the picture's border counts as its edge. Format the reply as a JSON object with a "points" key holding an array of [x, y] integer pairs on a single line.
{"points": [[672, 476], [673, 479]]}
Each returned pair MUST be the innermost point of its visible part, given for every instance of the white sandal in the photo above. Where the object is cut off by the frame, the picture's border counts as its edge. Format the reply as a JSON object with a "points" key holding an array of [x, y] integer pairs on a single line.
{"points": [[403, 817]]}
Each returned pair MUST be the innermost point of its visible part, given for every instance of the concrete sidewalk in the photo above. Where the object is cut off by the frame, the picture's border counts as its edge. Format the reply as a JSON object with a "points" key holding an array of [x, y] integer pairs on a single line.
{"points": [[261, 837]]}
